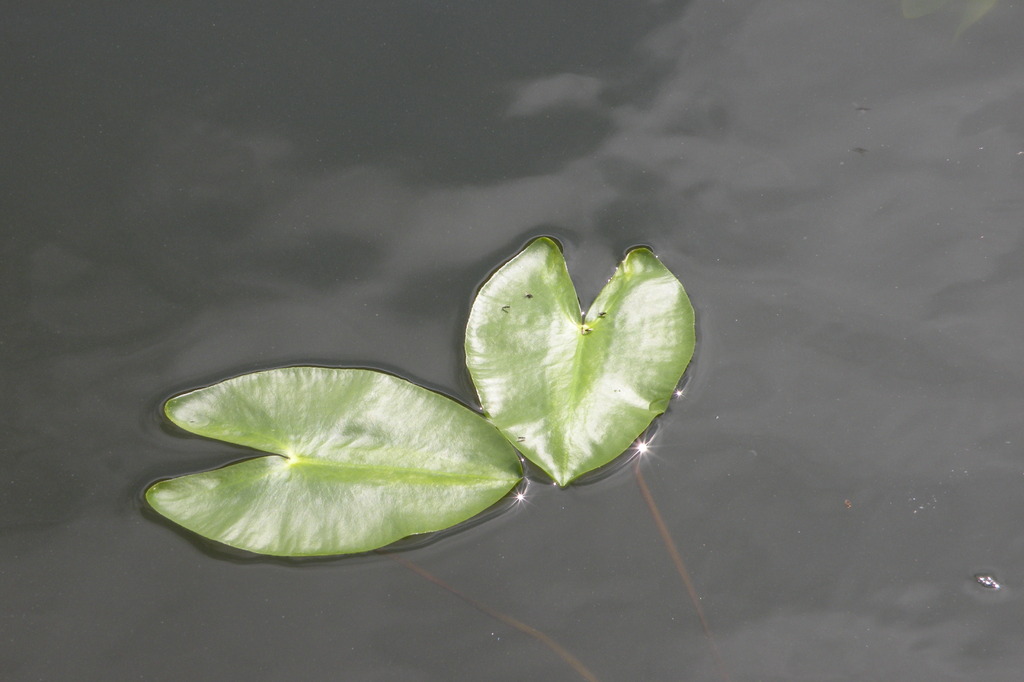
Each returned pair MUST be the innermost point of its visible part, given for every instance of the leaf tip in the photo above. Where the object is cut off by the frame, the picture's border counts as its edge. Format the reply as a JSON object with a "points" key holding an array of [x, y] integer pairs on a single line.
{"points": [[546, 243]]}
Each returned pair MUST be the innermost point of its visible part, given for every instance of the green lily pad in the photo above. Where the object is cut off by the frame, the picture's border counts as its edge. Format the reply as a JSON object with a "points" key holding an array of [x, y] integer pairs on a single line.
{"points": [[361, 459], [572, 392]]}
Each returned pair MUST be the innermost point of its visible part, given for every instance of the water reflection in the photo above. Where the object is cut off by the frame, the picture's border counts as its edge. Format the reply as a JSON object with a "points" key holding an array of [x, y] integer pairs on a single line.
{"points": [[203, 193]]}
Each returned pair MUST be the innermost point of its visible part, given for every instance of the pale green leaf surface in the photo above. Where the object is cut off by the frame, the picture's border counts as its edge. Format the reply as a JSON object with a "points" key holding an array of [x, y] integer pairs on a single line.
{"points": [[572, 393], [912, 9], [973, 12], [362, 459]]}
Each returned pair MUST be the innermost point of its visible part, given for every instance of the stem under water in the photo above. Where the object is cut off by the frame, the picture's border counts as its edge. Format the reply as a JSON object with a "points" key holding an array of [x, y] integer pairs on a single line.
{"points": [[677, 559], [547, 641]]}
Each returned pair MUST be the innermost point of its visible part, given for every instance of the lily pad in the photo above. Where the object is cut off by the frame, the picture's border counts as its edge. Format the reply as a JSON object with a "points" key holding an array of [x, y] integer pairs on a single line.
{"points": [[573, 391], [360, 459]]}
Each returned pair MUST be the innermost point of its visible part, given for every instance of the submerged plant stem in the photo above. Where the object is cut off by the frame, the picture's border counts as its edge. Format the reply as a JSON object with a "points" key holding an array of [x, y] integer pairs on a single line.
{"points": [[547, 641], [677, 559]]}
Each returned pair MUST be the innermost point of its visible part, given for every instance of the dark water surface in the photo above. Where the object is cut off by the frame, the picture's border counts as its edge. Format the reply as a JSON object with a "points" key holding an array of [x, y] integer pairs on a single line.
{"points": [[201, 189]]}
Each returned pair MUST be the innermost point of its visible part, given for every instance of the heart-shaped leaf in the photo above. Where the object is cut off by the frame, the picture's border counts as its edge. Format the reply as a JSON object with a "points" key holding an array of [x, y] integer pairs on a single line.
{"points": [[573, 392], [362, 459]]}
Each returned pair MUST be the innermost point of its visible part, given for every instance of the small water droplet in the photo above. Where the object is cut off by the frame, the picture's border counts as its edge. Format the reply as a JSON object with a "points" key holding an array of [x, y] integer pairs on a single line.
{"points": [[987, 581]]}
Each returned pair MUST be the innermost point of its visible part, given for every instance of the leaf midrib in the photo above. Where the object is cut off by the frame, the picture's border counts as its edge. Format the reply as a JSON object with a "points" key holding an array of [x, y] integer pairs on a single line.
{"points": [[386, 472]]}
